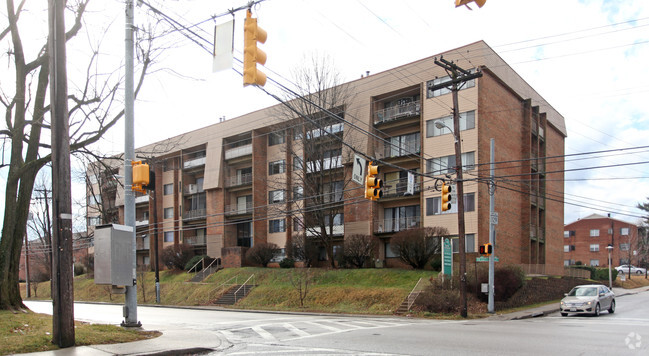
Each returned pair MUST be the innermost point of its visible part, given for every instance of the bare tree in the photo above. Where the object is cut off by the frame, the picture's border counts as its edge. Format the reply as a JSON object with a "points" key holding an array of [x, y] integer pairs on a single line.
{"points": [[417, 247], [358, 249], [303, 249], [312, 123], [94, 108], [262, 253], [302, 280]]}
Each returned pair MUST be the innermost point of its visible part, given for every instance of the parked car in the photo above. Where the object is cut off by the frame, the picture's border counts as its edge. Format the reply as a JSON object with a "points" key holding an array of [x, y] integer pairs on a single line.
{"points": [[634, 269], [588, 299]]}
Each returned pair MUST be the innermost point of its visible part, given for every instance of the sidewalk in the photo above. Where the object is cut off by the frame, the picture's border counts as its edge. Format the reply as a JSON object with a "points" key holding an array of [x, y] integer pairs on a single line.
{"points": [[554, 307]]}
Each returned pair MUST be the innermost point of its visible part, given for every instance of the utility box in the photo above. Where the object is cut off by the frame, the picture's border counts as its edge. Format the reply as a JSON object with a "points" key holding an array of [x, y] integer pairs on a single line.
{"points": [[114, 255]]}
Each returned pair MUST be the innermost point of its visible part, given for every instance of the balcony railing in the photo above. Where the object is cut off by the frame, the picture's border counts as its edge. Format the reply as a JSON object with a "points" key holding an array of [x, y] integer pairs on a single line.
{"points": [[387, 150], [397, 112], [399, 187], [142, 199], [240, 151], [327, 163], [196, 162], [139, 223], [194, 214], [235, 181], [324, 131], [236, 209], [337, 230], [142, 244], [398, 224], [193, 189], [195, 240], [540, 236]]}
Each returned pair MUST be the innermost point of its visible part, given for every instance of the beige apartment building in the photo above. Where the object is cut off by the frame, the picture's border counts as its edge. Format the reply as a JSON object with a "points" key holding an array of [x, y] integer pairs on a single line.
{"points": [[252, 179]]}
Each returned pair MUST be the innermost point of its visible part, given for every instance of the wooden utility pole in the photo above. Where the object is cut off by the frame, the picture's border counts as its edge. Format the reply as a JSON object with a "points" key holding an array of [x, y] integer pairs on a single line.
{"points": [[62, 277], [458, 77]]}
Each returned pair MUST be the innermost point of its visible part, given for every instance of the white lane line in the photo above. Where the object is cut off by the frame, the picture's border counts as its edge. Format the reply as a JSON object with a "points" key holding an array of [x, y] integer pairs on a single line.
{"points": [[325, 326], [296, 331], [263, 333], [228, 334]]}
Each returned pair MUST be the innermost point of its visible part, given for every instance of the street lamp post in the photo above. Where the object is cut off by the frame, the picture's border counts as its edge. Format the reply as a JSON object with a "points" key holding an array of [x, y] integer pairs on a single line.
{"points": [[610, 278]]}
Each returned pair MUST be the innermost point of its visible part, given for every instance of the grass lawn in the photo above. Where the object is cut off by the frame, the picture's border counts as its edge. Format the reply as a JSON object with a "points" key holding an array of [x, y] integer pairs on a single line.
{"points": [[31, 332]]}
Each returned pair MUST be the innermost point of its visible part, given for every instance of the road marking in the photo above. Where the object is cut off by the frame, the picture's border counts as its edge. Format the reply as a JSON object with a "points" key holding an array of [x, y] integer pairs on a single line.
{"points": [[324, 326], [228, 335], [296, 331], [263, 333]]}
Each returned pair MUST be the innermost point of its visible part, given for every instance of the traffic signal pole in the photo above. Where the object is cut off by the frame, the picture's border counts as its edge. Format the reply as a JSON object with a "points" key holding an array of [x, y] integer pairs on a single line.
{"points": [[458, 76], [492, 229]]}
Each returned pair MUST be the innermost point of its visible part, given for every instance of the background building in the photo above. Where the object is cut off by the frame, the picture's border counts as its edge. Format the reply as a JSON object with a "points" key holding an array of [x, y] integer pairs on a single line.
{"points": [[585, 241], [252, 179]]}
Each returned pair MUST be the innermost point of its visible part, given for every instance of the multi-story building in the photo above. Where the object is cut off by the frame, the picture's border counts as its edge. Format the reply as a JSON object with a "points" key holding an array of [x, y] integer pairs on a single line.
{"points": [[252, 179], [586, 241]]}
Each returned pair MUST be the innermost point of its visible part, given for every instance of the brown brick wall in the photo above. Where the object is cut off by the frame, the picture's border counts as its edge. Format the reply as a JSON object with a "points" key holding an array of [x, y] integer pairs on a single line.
{"points": [[582, 241]]}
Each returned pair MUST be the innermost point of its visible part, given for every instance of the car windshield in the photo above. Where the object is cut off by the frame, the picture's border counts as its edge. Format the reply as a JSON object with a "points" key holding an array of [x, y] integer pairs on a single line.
{"points": [[583, 292]]}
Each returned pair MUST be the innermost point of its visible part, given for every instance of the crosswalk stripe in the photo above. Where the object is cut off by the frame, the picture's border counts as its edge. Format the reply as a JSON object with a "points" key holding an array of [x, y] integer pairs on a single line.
{"points": [[263, 333], [228, 334], [296, 331], [325, 326]]}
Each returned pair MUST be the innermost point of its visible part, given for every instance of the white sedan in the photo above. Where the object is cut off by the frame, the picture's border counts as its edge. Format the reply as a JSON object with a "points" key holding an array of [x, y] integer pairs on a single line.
{"points": [[634, 269]]}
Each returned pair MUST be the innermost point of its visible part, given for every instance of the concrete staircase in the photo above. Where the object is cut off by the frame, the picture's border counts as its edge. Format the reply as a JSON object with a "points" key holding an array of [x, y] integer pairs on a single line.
{"points": [[200, 276], [234, 294], [404, 308]]}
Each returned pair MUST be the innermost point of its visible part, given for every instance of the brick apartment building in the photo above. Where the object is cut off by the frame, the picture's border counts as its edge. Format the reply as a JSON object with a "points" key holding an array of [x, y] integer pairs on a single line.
{"points": [[586, 240], [228, 186]]}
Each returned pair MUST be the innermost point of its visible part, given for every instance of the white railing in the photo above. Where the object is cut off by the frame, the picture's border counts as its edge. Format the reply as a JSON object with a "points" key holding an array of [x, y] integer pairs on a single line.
{"points": [[237, 180], [195, 240], [327, 163], [398, 224], [235, 209], [142, 199], [196, 162], [397, 188], [327, 130], [194, 214], [397, 112], [337, 230], [238, 151], [141, 223]]}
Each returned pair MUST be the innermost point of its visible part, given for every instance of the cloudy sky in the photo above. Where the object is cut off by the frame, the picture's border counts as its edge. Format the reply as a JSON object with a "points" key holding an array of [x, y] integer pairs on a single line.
{"points": [[588, 59]]}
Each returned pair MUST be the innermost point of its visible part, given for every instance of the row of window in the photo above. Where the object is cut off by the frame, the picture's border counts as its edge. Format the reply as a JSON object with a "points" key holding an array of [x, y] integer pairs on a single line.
{"points": [[624, 231], [594, 247], [594, 262]]}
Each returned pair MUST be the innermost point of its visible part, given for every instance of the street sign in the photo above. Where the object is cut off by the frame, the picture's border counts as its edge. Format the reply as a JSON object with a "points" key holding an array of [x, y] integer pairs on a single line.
{"points": [[485, 259], [494, 218], [358, 171], [447, 257]]}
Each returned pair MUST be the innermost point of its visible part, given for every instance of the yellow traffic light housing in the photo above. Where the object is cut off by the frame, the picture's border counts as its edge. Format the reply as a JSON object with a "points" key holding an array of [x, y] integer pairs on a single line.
{"points": [[459, 3], [140, 176], [251, 54], [446, 196], [486, 249], [373, 184]]}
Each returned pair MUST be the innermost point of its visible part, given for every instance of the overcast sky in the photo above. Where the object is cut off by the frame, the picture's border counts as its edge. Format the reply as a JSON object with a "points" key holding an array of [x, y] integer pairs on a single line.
{"points": [[588, 59]]}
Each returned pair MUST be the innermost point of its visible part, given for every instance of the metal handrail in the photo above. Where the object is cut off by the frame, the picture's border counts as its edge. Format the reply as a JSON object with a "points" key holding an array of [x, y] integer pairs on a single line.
{"points": [[194, 266], [412, 296], [243, 285]]}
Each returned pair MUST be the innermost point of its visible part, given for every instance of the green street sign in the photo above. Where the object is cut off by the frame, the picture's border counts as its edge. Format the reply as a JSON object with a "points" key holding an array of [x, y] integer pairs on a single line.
{"points": [[447, 256], [485, 259]]}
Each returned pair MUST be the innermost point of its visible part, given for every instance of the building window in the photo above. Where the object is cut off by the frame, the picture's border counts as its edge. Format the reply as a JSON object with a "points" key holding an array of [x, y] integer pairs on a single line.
{"points": [[276, 138], [446, 164], [168, 213], [566, 234], [389, 253], [434, 93], [594, 263], [566, 248], [94, 220], [401, 218], [469, 246], [624, 231], [278, 225], [624, 247], [297, 164], [434, 204], [333, 192], [276, 167], [594, 247], [467, 122], [276, 196], [566, 263], [94, 200], [169, 236], [168, 189], [244, 234], [298, 192], [398, 146], [298, 224], [594, 232]]}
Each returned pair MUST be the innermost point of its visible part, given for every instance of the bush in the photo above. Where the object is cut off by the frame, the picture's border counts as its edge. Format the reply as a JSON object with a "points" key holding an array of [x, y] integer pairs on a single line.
{"points": [[287, 263], [177, 256], [262, 253], [416, 247], [79, 269], [436, 263], [194, 260], [445, 301], [507, 281], [357, 250]]}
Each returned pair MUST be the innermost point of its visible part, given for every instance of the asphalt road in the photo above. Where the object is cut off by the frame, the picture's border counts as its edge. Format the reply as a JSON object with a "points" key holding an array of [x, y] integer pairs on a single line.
{"points": [[250, 333]]}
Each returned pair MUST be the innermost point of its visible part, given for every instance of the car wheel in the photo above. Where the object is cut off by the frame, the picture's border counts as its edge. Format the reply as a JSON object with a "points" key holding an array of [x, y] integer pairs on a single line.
{"points": [[597, 309], [638, 272], [611, 309], [564, 314]]}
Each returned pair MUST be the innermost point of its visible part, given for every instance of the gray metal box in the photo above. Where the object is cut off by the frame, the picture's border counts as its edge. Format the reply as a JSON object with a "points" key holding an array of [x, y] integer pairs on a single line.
{"points": [[114, 255]]}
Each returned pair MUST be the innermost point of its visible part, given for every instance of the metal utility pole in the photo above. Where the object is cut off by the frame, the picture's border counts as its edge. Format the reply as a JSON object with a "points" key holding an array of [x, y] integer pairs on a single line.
{"points": [[62, 276], [493, 218], [29, 293], [130, 300], [458, 77]]}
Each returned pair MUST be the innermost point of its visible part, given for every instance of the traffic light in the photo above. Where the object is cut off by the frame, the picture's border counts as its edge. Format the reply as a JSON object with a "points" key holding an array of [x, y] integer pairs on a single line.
{"points": [[480, 3], [486, 249], [446, 196], [141, 176], [251, 54], [373, 184]]}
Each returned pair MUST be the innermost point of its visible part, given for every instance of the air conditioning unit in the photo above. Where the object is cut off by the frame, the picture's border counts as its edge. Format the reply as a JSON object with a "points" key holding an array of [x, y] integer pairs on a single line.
{"points": [[192, 189]]}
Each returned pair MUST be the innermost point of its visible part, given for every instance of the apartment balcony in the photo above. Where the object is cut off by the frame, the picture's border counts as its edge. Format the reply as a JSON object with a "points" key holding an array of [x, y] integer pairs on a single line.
{"points": [[190, 189], [237, 209], [336, 230], [537, 199], [239, 151], [142, 244], [400, 112], [537, 233], [386, 150], [238, 180], [325, 131], [139, 223], [195, 240], [396, 225], [399, 188], [142, 199], [194, 214], [326, 164]]}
